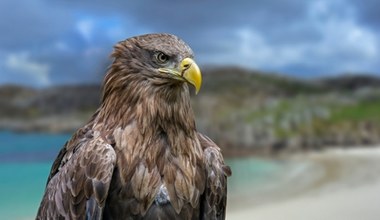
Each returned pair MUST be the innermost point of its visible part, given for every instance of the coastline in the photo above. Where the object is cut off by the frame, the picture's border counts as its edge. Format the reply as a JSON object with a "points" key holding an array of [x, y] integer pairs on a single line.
{"points": [[328, 183], [333, 184]]}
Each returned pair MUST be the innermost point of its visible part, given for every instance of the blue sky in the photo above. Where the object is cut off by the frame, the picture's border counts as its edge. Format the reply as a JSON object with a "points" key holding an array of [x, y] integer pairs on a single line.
{"points": [[43, 43]]}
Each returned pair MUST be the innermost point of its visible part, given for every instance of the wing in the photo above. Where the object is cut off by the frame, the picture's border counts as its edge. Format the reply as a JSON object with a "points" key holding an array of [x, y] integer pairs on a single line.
{"points": [[79, 180], [213, 204]]}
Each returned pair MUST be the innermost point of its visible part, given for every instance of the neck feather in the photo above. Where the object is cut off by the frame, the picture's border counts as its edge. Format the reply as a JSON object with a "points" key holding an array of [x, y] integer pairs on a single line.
{"points": [[153, 108]]}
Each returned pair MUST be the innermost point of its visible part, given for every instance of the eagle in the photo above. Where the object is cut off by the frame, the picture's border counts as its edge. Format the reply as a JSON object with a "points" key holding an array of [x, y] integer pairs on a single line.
{"points": [[140, 156]]}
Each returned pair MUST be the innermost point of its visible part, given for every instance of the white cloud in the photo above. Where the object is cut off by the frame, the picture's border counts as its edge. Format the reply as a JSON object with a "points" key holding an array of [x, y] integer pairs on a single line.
{"points": [[61, 46], [85, 28], [350, 45], [257, 52], [302, 37], [350, 37], [344, 45], [22, 64]]}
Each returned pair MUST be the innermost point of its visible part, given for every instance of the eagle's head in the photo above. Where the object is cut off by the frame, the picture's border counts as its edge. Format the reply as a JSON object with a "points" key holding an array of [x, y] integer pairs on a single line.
{"points": [[154, 61]]}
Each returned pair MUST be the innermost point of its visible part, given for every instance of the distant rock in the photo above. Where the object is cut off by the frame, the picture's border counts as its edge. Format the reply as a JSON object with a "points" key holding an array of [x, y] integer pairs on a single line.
{"points": [[243, 110], [19, 102], [350, 82]]}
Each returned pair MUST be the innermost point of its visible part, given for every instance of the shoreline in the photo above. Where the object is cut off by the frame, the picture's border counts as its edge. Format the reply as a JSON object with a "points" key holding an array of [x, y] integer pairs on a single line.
{"points": [[337, 177]]}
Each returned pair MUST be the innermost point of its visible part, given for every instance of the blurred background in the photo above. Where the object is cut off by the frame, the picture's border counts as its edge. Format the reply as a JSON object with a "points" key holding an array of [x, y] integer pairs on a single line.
{"points": [[291, 94]]}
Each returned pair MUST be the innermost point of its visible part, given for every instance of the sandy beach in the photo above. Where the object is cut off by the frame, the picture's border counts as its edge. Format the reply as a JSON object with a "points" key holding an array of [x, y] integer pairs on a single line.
{"points": [[335, 184]]}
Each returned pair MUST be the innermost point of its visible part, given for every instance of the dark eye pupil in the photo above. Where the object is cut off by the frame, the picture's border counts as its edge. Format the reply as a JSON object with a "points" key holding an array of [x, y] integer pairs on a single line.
{"points": [[162, 57]]}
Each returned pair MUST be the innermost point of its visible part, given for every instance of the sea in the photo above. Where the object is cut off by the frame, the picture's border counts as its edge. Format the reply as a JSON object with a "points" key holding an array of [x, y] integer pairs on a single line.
{"points": [[26, 159]]}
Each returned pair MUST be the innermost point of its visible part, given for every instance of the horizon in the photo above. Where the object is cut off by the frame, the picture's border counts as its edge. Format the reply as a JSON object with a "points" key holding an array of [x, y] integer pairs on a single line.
{"points": [[211, 69]]}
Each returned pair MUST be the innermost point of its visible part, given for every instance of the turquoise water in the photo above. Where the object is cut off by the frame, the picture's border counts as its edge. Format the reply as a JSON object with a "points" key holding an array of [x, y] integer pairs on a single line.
{"points": [[25, 161], [30, 147], [251, 173], [21, 189]]}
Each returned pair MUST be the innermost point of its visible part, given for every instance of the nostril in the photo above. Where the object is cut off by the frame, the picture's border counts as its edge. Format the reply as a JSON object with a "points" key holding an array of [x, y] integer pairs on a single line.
{"points": [[186, 66]]}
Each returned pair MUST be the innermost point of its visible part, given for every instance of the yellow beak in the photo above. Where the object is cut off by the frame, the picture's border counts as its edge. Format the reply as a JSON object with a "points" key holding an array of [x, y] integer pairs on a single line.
{"points": [[191, 73], [187, 71]]}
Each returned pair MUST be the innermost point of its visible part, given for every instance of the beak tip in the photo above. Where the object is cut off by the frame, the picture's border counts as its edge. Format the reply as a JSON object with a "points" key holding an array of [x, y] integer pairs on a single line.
{"points": [[193, 74], [196, 91]]}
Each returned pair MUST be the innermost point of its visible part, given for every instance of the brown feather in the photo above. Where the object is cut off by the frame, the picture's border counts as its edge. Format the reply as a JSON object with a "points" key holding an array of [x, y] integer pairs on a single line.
{"points": [[140, 156]]}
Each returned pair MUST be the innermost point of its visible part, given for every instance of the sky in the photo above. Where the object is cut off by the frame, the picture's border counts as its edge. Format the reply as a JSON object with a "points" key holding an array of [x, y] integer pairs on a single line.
{"points": [[45, 43]]}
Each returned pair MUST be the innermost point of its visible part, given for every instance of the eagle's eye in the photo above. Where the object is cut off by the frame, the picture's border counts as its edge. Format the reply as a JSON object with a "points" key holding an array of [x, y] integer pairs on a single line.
{"points": [[161, 57]]}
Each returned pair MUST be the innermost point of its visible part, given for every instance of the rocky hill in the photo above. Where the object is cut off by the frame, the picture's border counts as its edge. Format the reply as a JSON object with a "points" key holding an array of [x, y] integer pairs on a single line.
{"points": [[244, 111], [56, 109]]}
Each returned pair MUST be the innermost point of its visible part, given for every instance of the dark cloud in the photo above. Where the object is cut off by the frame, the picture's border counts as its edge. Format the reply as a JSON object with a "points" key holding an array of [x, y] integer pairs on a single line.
{"points": [[50, 42], [28, 24], [367, 12], [193, 19]]}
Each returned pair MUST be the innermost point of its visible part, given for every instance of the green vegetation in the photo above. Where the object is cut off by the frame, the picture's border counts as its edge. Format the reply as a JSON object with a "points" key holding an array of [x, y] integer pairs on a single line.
{"points": [[265, 111], [361, 111], [239, 109]]}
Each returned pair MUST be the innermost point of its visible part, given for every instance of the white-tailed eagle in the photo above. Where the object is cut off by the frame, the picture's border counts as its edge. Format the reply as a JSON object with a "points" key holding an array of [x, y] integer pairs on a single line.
{"points": [[140, 156]]}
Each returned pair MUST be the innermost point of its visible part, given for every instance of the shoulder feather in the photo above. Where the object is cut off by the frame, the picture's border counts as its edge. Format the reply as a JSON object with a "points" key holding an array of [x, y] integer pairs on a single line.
{"points": [[213, 205], [79, 185]]}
